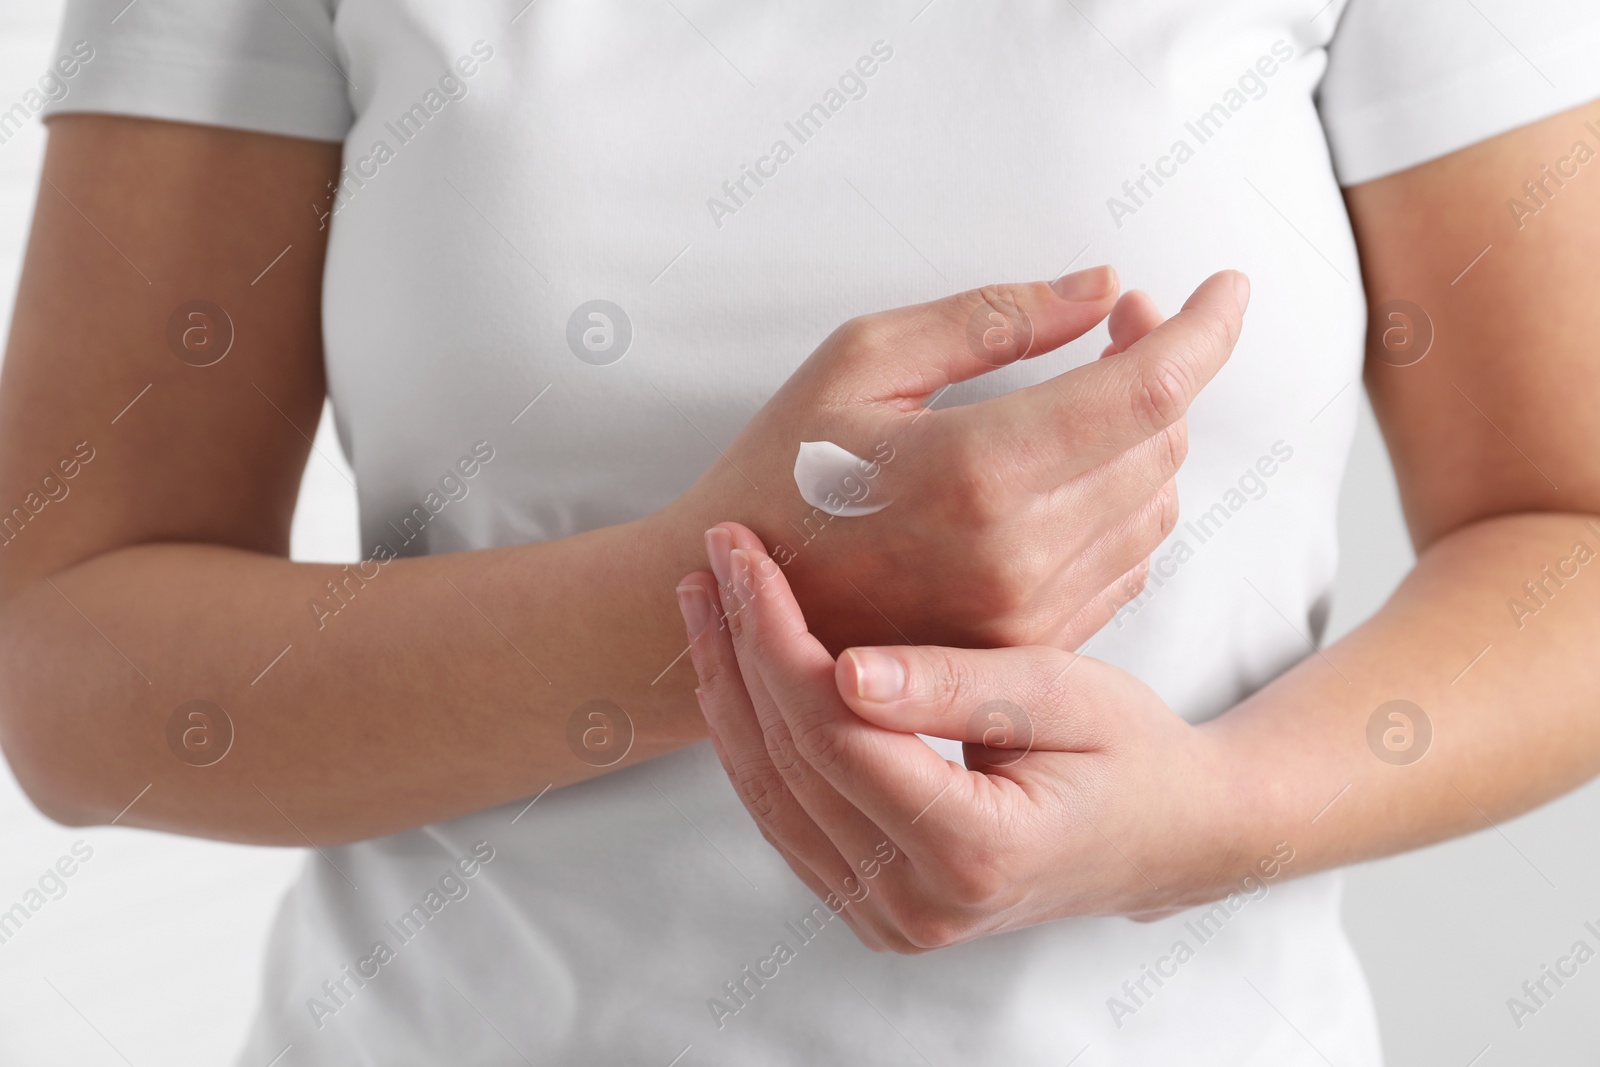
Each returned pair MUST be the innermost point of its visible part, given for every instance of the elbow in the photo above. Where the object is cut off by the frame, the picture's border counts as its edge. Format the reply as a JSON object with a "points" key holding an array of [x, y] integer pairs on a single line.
{"points": [[43, 766], [47, 735], [47, 765], [46, 784], [62, 814]]}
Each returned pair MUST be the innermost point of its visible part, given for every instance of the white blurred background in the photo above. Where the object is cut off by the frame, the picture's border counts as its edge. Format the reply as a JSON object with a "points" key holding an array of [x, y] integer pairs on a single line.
{"points": [[152, 956]]}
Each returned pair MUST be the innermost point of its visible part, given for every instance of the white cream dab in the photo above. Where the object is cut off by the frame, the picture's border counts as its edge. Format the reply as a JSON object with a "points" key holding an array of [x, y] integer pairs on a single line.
{"points": [[837, 480]]}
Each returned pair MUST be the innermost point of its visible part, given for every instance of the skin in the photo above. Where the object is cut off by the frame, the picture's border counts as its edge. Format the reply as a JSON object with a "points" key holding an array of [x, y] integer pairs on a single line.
{"points": [[1096, 798], [447, 684]]}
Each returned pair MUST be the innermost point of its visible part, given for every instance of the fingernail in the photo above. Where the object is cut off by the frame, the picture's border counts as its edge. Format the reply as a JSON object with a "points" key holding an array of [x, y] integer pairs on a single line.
{"points": [[1091, 284], [879, 677], [719, 543], [1241, 290], [696, 608]]}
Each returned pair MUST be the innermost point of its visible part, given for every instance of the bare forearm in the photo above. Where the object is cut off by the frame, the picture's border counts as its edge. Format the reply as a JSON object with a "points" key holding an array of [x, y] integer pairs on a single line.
{"points": [[1509, 696], [426, 688]]}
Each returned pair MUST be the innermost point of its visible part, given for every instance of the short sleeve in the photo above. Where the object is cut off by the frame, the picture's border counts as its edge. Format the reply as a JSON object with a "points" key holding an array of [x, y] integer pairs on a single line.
{"points": [[1412, 80], [272, 66]]}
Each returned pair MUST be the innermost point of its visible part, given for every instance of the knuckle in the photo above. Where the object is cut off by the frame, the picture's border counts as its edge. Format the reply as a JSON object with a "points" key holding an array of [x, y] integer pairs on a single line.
{"points": [[950, 682], [821, 747], [784, 754], [714, 678], [1159, 397], [1059, 694], [1001, 297], [1133, 585], [1164, 512], [974, 885], [1147, 528], [764, 793], [1002, 305], [733, 617], [1175, 446], [900, 946], [864, 333], [929, 928], [1008, 628]]}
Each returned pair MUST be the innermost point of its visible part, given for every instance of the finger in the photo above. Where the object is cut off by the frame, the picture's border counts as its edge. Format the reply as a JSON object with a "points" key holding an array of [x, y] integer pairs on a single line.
{"points": [[868, 933], [852, 834], [916, 351], [801, 869], [731, 719], [1095, 615], [891, 777], [1109, 493], [1120, 547], [1134, 315], [1029, 698], [782, 822], [837, 900], [1117, 487], [736, 735], [1136, 535], [1062, 427], [865, 932], [1094, 529]]}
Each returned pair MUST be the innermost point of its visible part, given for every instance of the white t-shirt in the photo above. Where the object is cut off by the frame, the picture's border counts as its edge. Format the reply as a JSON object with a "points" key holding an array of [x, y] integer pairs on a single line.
{"points": [[739, 178]]}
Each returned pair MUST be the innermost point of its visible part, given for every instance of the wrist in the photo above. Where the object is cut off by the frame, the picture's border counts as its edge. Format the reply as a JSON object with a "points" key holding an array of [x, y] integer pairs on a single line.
{"points": [[621, 606], [1246, 842], [670, 542]]}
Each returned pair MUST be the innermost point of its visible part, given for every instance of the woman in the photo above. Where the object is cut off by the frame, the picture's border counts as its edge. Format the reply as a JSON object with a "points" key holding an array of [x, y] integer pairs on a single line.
{"points": [[559, 267]]}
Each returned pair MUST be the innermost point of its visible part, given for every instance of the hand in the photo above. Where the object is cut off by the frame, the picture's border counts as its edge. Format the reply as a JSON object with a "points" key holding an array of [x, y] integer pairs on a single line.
{"points": [[1083, 793], [1011, 520]]}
